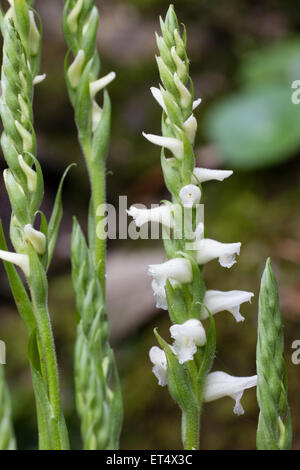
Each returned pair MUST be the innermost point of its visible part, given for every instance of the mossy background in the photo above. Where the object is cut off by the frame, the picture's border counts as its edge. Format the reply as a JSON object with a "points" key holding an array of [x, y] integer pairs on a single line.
{"points": [[259, 207]]}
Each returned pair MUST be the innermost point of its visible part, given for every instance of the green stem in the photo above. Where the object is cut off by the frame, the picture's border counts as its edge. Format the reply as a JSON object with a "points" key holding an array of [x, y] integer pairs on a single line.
{"points": [[97, 177], [191, 429], [49, 356]]}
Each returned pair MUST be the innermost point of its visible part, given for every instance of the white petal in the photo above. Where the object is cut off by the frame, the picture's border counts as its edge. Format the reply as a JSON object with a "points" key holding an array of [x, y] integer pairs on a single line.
{"points": [[218, 301], [36, 238], [204, 174], [196, 103], [75, 69], [174, 145], [158, 358], [211, 249], [161, 214], [220, 384], [179, 269], [101, 83], [18, 259], [190, 195], [157, 94]]}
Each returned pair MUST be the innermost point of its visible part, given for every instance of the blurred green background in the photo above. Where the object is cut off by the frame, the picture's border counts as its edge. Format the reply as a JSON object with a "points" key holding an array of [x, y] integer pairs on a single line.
{"points": [[244, 57]]}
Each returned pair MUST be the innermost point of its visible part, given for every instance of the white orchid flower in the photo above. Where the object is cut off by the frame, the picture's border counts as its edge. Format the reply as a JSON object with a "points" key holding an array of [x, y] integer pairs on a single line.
{"points": [[177, 270], [207, 250], [187, 337], [190, 127], [159, 359], [157, 95], [220, 384], [161, 214], [218, 301], [190, 195], [174, 145], [200, 175]]}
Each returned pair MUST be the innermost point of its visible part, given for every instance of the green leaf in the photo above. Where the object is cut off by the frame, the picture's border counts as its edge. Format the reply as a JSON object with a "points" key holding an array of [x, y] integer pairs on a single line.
{"points": [[255, 128], [56, 217]]}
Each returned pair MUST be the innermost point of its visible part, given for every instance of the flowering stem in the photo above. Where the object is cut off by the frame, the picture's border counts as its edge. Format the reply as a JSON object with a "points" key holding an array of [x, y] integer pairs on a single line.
{"points": [[98, 394], [191, 430]]}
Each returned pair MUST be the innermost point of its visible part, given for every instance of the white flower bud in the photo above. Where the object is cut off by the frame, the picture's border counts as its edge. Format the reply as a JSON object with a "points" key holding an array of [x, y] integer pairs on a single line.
{"points": [[220, 384], [75, 69], [207, 250], [190, 195], [174, 145], [218, 301], [26, 137], [180, 64], [185, 95], [18, 259], [36, 238], [101, 83], [190, 128], [161, 214], [200, 175], [158, 358], [187, 337], [29, 173], [73, 16]]}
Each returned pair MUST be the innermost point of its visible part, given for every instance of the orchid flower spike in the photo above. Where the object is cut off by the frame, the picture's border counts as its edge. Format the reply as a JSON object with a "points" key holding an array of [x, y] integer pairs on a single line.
{"points": [[218, 301], [159, 359], [201, 175], [161, 214], [187, 337], [18, 259], [220, 384], [190, 195], [177, 270]]}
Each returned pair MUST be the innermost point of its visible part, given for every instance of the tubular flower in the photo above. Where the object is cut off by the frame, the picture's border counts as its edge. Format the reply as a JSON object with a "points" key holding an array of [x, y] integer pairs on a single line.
{"points": [[187, 337], [161, 214], [218, 301], [18, 259], [177, 270], [174, 145], [190, 195], [200, 175], [159, 359], [220, 384]]}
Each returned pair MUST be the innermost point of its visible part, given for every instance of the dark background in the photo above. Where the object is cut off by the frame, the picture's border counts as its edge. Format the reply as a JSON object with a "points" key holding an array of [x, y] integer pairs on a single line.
{"points": [[244, 56]]}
